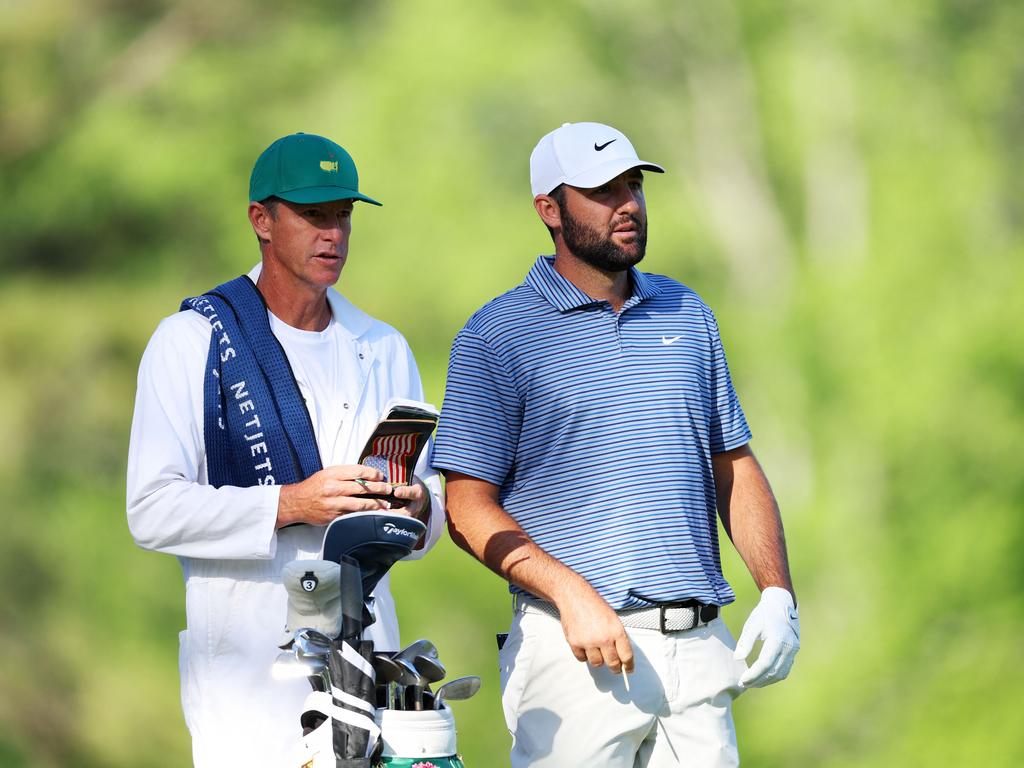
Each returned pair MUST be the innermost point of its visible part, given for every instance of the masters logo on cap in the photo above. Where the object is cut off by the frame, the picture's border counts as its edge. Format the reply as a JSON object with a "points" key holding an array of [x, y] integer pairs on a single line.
{"points": [[305, 168], [584, 155]]}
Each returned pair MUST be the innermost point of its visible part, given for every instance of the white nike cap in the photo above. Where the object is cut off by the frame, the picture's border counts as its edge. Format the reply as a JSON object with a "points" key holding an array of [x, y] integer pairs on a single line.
{"points": [[582, 155]]}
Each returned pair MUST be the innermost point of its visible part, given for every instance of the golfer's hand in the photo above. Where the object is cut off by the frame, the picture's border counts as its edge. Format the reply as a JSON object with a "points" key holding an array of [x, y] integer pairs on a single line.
{"points": [[594, 632], [330, 493], [776, 622]]}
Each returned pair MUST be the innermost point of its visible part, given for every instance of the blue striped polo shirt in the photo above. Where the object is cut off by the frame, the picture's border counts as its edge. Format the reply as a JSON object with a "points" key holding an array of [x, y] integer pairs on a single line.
{"points": [[599, 429]]}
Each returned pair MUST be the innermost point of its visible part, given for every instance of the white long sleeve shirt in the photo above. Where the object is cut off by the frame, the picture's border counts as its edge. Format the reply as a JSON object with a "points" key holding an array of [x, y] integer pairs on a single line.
{"points": [[226, 538]]}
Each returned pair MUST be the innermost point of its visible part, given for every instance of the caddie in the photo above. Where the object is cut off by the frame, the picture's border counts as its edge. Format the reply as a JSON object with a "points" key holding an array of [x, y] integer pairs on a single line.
{"points": [[591, 437], [253, 403]]}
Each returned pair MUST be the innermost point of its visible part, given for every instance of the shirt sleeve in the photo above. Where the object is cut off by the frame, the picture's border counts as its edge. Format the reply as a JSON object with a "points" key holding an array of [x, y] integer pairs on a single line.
{"points": [[728, 425], [482, 413], [170, 506]]}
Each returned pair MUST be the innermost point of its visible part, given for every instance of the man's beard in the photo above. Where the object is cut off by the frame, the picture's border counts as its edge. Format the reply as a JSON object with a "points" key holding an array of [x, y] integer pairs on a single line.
{"points": [[601, 252]]}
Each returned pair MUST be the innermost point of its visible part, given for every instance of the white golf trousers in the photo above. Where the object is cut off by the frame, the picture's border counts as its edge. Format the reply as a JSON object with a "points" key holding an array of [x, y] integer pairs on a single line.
{"points": [[675, 709]]}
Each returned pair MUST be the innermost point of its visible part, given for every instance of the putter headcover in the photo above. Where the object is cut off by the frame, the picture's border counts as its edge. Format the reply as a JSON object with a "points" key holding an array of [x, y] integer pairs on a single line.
{"points": [[314, 595], [376, 540]]}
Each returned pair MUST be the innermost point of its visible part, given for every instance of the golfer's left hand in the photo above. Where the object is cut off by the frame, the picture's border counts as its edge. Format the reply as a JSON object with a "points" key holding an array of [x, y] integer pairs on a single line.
{"points": [[774, 621]]}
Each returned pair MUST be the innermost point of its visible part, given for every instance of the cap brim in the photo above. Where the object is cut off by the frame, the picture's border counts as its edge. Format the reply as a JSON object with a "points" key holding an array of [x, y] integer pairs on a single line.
{"points": [[324, 195], [595, 177]]}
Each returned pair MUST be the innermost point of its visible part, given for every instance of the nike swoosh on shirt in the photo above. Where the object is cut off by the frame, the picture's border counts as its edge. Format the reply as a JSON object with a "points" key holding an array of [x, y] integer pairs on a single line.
{"points": [[602, 146], [670, 340]]}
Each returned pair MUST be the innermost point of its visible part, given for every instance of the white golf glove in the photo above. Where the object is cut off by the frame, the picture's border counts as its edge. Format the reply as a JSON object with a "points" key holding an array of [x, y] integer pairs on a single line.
{"points": [[776, 622]]}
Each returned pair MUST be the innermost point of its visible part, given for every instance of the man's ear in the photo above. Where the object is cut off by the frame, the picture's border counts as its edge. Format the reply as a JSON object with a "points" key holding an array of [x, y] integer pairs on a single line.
{"points": [[260, 218], [548, 210]]}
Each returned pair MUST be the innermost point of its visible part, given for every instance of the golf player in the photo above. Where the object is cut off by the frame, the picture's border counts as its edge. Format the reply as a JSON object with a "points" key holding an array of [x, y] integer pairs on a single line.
{"points": [[253, 403], [589, 434]]}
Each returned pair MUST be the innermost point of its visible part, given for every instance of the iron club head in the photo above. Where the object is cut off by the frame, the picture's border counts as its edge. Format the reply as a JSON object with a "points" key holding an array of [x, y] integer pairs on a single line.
{"points": [[293, 664], [421, 647], [429, 668], [409, 675], [458, 689], [315, 642]]}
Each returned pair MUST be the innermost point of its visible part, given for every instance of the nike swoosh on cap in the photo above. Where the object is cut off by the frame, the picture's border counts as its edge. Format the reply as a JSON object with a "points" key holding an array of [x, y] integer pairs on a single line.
{"points": [[599, 147]]}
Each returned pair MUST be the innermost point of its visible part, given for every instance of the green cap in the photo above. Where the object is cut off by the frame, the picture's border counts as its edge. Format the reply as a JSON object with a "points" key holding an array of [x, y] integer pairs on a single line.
{"points": [[305, 168]]}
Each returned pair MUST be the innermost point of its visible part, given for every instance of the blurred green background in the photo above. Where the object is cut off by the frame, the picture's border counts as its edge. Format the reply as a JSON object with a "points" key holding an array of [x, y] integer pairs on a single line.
{"points": [[844, 189]]}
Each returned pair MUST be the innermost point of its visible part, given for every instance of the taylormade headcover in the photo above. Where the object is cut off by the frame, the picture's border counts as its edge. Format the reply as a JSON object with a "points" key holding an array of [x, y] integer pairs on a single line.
{"points": [[314, 595], [375, 539]]}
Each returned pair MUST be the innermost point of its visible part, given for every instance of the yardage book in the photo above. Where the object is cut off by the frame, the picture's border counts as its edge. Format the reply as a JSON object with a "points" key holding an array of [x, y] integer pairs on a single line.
{"points": [[397, 442]]}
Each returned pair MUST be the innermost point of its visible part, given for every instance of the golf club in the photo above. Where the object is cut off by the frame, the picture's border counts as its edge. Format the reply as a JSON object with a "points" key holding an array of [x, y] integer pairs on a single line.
{"points": [[312, 639], [388, 672], [409, 679], [293, 663], [460, 688], [421, 647], [431, 669]]}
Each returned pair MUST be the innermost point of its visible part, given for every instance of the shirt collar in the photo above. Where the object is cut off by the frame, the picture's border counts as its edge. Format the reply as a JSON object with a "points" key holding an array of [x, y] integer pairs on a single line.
{"points": [[565, 296]]}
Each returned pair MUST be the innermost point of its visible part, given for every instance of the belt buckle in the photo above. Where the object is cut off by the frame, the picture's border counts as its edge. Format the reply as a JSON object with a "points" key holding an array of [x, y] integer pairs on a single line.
{"points": [[661, 618], [663, 607], [700, 613]]}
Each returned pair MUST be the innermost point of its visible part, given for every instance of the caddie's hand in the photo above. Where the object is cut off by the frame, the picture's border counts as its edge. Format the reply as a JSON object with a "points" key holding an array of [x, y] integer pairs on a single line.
{"points": [[330, 493], [418, 506], [417, 497], [774, 621], [594, 632]]}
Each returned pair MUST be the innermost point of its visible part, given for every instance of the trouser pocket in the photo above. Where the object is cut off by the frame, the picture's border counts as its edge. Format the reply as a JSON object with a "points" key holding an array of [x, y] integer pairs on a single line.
{"points": [[514, 660]]}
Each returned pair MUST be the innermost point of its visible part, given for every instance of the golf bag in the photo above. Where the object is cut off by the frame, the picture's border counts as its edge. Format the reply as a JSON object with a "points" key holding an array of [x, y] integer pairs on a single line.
{"points": [[424, 739], [329, 602]]}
